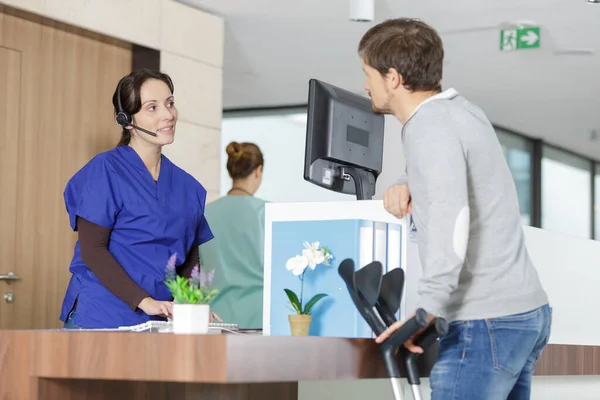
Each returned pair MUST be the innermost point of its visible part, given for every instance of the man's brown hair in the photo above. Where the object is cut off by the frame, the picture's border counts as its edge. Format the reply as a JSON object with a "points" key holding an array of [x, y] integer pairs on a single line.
{"points": [[411, 47]]}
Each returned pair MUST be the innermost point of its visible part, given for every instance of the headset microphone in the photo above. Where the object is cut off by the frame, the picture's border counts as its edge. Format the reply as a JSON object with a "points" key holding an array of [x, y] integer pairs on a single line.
{"points": [[123, 118]]}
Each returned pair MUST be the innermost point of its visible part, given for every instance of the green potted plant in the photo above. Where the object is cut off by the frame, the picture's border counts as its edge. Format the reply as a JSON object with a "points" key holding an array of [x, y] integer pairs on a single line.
{"points": [[191, 298], [312, 255]]}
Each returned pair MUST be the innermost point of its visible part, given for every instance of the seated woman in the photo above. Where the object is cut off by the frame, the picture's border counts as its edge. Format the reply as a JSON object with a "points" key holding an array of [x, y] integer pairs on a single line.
{"points": [[132, 209], [236, 254]]}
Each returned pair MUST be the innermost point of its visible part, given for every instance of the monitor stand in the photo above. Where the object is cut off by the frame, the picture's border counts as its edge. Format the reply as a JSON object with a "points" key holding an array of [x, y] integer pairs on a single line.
{"points": [[363, 181]]}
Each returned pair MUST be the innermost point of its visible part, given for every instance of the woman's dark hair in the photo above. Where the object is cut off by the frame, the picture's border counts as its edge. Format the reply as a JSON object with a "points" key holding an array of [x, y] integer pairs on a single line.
{"points": [[128, 89], [243, 159]]}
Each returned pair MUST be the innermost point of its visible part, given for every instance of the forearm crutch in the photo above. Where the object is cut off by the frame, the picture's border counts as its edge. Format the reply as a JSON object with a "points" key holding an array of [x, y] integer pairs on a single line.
{"points": [[377, 298]]}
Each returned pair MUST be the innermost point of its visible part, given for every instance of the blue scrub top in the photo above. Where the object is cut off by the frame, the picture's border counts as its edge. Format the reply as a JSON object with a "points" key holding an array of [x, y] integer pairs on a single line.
{"points": [[149, 221]]}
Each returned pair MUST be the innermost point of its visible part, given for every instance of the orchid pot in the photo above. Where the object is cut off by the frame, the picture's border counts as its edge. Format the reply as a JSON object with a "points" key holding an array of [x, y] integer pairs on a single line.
{"points": [[300, 324]]}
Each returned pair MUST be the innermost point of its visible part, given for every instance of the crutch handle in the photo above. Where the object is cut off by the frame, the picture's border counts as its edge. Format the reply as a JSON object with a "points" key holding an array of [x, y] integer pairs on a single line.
{"points": [[408, 329], [423, 340], [438, 329], [405, 332], [441, 326]]}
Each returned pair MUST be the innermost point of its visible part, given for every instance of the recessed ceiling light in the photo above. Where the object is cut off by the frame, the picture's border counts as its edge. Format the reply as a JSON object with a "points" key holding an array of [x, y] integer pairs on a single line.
{"points": [[594, 1]]}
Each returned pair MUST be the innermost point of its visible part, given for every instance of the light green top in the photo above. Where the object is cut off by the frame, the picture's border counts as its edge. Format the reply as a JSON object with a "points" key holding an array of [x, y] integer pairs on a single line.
{"points": [[237, 255]]}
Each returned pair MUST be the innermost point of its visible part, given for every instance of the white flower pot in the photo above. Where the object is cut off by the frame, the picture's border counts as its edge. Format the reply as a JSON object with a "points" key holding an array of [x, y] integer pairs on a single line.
{"points": [[191, 318]]}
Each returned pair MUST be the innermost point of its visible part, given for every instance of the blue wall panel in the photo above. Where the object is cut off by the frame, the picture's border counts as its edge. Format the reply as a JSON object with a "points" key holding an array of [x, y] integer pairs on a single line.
{"points": [[334, 315]]}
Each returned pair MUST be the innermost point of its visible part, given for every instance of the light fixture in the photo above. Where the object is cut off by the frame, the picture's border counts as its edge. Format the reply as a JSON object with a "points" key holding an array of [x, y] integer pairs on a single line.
{"points": [[593, 1], [363, 10]]}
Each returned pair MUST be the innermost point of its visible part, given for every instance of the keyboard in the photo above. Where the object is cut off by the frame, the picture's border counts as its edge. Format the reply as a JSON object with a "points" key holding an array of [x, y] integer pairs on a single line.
{"points": [[167, 327]]}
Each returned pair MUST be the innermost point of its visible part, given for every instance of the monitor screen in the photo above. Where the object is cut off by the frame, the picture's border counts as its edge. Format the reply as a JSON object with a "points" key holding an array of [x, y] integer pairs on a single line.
{"points": [[344, 141]]}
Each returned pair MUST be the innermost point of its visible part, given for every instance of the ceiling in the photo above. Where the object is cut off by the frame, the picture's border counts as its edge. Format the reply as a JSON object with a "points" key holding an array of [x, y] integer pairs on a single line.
{"points": [[273, 47]]}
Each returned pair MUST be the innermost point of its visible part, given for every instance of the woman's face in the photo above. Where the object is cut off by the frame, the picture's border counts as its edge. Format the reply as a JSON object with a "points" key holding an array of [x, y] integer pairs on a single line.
{"points": [[158, 113]]}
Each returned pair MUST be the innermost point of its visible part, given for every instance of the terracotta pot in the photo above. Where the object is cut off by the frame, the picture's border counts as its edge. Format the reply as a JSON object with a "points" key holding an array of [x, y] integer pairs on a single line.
{"points": [[300, 324]]}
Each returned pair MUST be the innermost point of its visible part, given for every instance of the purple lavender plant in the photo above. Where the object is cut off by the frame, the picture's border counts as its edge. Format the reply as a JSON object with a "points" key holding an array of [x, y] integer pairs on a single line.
{"points": [[196, 277], [206, 279], [171, 272], [195, 290], [200, 278]]}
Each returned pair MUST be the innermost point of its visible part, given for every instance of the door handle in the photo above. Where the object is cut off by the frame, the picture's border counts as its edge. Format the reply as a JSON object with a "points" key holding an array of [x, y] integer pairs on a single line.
{"points": [[10, 278]]}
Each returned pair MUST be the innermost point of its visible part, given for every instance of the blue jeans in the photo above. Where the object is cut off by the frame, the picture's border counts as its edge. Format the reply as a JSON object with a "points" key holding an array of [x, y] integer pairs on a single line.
{"points": [[490, 359]]}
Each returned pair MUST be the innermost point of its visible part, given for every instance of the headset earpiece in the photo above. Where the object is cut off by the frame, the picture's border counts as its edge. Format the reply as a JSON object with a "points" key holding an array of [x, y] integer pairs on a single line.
{"points": [[122, 118]]}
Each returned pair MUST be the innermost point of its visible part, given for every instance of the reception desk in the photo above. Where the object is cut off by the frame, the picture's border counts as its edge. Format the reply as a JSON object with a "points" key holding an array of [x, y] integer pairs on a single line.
{"points": [[63, 365], [85, 365]]}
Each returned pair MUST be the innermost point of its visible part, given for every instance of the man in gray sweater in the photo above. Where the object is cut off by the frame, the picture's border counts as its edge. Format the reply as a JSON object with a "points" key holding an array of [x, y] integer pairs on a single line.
{"points": [[476, 269]]}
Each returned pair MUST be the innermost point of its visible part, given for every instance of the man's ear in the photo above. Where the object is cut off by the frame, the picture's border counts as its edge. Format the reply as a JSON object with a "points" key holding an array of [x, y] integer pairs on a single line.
{"points": [[394, 78]]}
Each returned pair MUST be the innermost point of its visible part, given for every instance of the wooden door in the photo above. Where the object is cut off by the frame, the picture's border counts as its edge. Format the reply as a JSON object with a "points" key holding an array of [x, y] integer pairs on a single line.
{"points": [[56, 85], [10, 78]]}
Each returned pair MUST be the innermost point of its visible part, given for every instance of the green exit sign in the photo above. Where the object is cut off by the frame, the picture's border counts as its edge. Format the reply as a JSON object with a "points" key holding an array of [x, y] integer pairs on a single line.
{"points": [[520, 38]]}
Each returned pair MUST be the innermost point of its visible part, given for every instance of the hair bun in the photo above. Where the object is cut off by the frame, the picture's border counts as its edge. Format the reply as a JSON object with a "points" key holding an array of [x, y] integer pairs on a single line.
{"points": [[244, 158], [234, 150]]}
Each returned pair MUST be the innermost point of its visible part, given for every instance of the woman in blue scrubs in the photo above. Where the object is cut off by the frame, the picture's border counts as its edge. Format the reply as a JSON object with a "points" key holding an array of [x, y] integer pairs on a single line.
{"points": [[132, 209]]}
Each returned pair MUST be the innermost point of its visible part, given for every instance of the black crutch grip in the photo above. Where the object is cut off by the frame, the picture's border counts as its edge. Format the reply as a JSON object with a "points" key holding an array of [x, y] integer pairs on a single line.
{"points": [[427, 337], [423, 340], [430, 335], [408, 329], [441, 326]]}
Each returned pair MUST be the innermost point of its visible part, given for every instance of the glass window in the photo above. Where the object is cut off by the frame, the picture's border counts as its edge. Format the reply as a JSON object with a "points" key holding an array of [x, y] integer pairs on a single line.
{"points": [[566, 193], [517, 151], [597, 202]]}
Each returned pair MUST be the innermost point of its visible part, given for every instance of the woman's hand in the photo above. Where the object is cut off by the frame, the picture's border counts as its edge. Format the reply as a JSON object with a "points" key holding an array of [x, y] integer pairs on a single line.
{"points": [[153, 307], [214, 316]]}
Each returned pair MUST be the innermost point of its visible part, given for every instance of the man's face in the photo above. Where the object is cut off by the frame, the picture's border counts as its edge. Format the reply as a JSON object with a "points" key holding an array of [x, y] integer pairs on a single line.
{"points": [[377, 87]]}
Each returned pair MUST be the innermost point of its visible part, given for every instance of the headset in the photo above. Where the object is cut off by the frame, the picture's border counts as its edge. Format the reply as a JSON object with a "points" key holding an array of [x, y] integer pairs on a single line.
{"points": [[123, 118]]}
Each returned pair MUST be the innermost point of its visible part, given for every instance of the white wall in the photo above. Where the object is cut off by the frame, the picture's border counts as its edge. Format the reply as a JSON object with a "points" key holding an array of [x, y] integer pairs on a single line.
{"points": [[281, 138], [566, 198], [597, 205], [191, 50], [394, 163]]}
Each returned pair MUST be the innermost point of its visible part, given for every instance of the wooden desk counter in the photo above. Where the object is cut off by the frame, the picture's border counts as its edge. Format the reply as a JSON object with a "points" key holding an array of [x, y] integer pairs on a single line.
{"points": [[42, 365], [73, 365]]}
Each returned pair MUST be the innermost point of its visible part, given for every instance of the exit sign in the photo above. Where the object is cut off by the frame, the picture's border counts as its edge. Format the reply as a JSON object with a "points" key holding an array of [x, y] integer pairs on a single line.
{"points": [[520, 38]]}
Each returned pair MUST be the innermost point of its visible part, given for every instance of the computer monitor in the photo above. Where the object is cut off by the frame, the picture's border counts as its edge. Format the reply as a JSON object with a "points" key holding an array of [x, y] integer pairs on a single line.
{"points": [[344, 141]]}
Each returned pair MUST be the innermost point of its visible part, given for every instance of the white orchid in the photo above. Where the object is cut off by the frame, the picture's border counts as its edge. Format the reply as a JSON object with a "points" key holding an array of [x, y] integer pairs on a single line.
{"points": [[313, 246], [312, 255], [315, 254], [297, 265]]}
